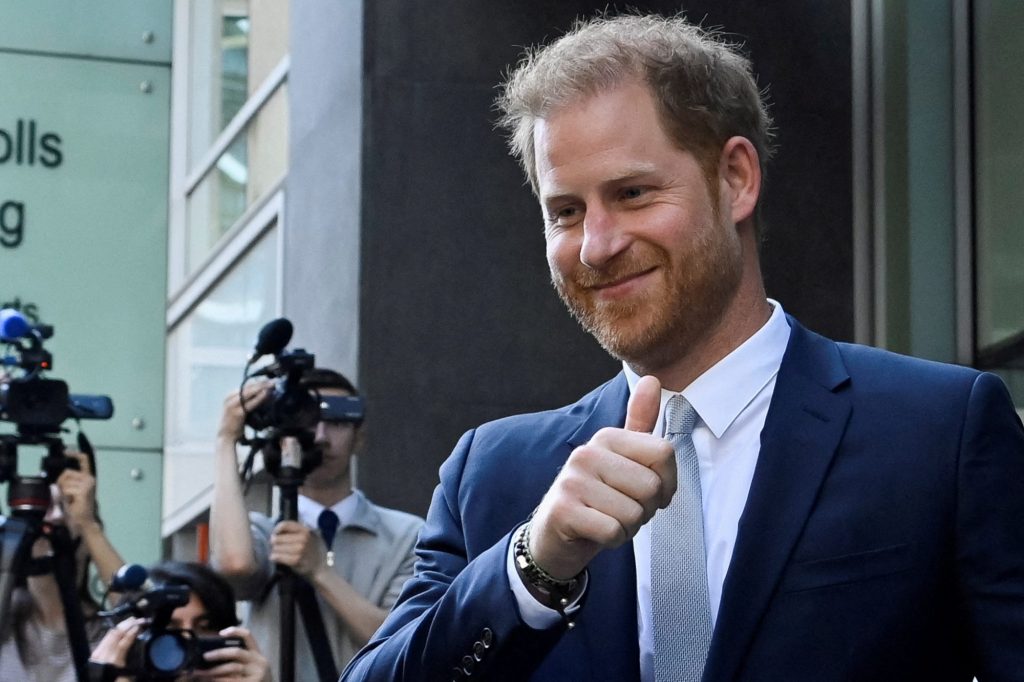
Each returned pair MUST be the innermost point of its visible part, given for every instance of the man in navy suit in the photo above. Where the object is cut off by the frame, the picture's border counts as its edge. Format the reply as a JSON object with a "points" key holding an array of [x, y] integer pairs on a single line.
{"points": [[858, 515]]}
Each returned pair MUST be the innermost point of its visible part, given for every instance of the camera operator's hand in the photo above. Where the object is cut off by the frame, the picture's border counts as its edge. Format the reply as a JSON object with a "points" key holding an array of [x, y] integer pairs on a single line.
{"points": [[113, 648], [235, 663], [78, 488], [232, 418], [298, 547], [230, 538]]}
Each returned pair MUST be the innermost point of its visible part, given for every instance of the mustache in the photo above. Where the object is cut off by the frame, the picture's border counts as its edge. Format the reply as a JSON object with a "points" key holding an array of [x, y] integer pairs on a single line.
{"points": [[623, 267]]}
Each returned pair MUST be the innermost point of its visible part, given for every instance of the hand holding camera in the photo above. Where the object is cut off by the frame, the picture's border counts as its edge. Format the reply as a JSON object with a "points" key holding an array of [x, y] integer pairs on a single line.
{"points": [[171, 629], [231, 655]]}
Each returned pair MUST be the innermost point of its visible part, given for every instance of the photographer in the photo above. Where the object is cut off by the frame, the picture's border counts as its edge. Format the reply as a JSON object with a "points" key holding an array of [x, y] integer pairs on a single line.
{"points": [[357, 560], [36, 645], [210, 611]]}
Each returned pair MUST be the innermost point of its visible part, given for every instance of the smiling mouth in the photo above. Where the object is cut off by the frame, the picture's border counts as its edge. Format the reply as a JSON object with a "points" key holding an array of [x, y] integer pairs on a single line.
{"points": [[620, 281]]}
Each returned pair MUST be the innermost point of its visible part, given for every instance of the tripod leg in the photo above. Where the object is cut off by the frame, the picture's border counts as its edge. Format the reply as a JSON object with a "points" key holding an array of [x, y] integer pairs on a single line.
{"points": [[286, 590], [65, 572]]}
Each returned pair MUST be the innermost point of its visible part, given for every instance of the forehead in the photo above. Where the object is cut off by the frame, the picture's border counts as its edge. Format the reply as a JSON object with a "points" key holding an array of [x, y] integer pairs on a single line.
{"points": [[616, 132]]}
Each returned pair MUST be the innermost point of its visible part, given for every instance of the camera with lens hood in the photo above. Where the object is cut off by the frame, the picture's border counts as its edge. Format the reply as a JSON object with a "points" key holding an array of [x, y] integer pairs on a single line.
{"points": [[38, 406], [161, 652], [292, 408]]}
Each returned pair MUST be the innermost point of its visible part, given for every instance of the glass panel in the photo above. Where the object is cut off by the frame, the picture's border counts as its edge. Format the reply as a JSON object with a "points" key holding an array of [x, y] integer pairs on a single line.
{"points": [[207, 350], [999, 108], [251, 165], [234, 45]]}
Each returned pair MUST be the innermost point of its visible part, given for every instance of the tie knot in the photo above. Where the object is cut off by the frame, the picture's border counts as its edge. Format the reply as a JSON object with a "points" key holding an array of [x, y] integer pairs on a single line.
{"points": [[328, 522], [680, 417]]}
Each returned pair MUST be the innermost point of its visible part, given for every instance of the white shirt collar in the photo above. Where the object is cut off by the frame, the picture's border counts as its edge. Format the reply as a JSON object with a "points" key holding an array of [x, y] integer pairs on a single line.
{"points": [[722, 392], [309, 510]]}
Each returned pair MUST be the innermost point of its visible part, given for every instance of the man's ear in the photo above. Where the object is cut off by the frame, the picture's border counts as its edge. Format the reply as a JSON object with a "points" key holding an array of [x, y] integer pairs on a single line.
{"points": [[740, 175], [359, 443]]}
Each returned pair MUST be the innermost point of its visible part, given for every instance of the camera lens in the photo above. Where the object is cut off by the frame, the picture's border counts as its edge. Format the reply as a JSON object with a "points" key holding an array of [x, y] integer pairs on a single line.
{"points": [[167, 652], [29, 495]]}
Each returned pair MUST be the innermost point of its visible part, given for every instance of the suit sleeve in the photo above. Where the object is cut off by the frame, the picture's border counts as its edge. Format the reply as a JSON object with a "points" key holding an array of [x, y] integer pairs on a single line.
{"points": [[456, 617], [990, 530]]}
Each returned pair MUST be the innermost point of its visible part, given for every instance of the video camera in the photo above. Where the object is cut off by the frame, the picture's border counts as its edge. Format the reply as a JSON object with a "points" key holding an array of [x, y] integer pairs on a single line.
{"points": [[38, 406], [161, 652], [33, 403], [292, 407]]}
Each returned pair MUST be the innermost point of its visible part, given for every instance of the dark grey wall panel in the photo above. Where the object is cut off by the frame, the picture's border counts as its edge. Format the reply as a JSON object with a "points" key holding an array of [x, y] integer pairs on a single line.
{"points": [[458, 323], [322, 214]]}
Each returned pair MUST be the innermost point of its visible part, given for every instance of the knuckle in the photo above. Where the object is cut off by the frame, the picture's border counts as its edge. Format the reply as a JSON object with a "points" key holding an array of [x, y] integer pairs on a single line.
{"points": [[649, 485], [635, 515], [612, 534], [572, 484], [579, 457]]}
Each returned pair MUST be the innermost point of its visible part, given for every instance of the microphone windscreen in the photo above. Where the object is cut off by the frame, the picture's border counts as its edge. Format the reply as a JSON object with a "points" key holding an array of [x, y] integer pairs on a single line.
{"points": [[13, 325], [128, 578], [273, 337]]}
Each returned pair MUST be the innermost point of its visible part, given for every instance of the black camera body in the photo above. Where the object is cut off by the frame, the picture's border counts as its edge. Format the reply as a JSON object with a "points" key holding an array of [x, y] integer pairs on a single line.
{"points": [[291, 407], [161, 652], [170, 652], [36, 404]]}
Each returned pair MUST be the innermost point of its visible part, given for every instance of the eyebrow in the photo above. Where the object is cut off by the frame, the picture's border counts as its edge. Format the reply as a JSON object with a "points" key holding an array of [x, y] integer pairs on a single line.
{"points": [[630, 173]]}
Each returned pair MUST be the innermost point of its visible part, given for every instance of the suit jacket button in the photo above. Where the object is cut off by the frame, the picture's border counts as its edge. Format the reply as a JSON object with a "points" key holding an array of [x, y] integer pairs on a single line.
{"points": [[468, 665], [487, 638], [479, 650], [457, 674]]}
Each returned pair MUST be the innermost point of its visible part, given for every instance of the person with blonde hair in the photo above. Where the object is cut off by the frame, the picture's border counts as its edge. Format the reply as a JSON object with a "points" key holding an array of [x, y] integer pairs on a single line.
{"points": [[746, 500]]}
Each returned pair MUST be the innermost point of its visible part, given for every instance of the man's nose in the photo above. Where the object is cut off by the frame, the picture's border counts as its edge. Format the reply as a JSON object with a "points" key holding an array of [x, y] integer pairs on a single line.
{"points": [[603, 237], [320, 435]]}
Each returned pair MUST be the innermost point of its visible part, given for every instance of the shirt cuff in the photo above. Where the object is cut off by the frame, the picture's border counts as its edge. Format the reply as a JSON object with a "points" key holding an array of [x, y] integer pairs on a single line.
{"points": [[533, 613]]}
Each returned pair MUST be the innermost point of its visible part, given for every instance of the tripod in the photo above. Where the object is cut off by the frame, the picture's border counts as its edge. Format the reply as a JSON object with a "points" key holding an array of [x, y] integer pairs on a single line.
{"points": [[289, 457], [29, 499]]}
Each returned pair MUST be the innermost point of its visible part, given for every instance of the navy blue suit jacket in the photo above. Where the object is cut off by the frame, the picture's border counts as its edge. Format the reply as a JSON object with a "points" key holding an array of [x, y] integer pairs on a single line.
{"points": [[882, 539]]}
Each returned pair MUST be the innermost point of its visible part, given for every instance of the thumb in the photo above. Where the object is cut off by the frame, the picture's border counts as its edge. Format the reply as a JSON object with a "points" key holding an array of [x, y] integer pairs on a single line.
{"points": [[644, 405]]}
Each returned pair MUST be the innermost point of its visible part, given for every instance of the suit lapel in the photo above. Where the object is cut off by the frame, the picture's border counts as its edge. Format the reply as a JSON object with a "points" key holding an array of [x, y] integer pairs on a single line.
{"points": [[805, 423], [608, 621], [607, 409]]}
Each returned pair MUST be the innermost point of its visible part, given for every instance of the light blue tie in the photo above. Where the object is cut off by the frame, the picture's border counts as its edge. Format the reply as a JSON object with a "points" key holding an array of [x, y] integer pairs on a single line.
{"points": [[679, 578]]}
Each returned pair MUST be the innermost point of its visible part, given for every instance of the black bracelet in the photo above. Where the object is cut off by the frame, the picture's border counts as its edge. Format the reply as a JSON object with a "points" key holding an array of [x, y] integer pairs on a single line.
{"points": [[559, 593]]}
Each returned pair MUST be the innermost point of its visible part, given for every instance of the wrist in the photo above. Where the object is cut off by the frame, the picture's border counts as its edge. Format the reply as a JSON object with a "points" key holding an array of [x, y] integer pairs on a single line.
{"points": [[320, 575], [552, 592], [88, 526], [226, 439]]}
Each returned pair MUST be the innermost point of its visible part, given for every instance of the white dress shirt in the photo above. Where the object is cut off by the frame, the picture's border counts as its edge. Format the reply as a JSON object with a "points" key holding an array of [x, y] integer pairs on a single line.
{"points": [[309, 510], [732, 399]]}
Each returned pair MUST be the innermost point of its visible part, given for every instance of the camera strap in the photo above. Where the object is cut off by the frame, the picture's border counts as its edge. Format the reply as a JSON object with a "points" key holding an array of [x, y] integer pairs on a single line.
{"points": [[104, 672], [313, 622]]}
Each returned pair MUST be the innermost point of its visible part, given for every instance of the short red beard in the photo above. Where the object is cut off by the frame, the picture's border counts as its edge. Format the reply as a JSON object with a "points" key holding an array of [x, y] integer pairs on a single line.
{"points": [[694, 292]]}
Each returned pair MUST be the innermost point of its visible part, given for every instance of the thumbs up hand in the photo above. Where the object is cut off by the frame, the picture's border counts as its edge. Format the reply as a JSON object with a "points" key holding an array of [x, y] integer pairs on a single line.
{"points": [[607, 489]]}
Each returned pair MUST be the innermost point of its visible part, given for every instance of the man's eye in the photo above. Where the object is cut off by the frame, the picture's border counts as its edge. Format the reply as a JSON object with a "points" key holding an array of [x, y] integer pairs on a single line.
{"points": [[563, 216], [632, 192]]}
